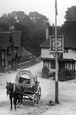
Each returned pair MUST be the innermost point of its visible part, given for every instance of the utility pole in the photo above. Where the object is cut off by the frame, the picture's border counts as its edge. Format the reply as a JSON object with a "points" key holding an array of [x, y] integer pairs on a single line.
{"points": [[56, 57]]}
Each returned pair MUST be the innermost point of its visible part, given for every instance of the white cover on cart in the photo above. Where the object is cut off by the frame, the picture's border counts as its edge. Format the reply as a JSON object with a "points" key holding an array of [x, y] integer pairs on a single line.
{"points": [[28, 73]]}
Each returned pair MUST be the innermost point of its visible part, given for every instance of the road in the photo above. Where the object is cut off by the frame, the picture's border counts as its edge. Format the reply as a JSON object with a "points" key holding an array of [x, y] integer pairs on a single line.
{"points": [[27, 106], [67, 96]]}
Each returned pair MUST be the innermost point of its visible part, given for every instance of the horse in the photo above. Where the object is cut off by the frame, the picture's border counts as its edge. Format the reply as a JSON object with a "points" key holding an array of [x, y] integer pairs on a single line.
{"points": [[15, 94]]}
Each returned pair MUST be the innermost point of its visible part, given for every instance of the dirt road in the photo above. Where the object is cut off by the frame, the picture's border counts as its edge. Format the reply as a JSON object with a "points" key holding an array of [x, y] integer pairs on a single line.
{"points": [[67, 96], [27, 105]]}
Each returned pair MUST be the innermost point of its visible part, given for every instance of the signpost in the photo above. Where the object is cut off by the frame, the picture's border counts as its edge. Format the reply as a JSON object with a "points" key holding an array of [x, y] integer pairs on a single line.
{"points": [[56, 47], [59, 44], [56, 56]]}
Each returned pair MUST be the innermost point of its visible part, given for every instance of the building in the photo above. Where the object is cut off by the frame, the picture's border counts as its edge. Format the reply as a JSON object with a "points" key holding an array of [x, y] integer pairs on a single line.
{"points": [[10, 50], [67, 59]]}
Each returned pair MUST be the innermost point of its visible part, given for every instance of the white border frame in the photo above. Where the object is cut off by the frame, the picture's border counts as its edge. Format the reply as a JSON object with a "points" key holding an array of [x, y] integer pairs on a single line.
{"points": [[62, 43]]}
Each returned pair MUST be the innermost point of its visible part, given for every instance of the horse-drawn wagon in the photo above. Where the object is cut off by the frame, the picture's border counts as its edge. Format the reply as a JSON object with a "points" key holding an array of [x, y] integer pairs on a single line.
{"points": [[26, 86], [29, 84]]}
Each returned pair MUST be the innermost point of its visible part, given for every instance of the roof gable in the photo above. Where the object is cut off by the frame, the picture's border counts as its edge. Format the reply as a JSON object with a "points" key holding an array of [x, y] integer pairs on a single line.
{"points": [[4, 39], [45, 44], [16, 36]]}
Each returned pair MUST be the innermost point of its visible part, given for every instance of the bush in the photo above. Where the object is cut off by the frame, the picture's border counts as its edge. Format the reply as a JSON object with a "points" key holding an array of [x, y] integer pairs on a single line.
{"points": [[45, 72], [51, 74], [65, 74]]}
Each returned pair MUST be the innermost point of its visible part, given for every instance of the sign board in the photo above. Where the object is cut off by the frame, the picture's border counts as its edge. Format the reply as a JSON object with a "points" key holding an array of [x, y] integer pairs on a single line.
{"points": [[60, 43]]}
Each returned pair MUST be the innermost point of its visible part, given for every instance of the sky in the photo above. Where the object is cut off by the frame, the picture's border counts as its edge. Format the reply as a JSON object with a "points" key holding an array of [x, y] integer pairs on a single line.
{"points": [[45, 7]]}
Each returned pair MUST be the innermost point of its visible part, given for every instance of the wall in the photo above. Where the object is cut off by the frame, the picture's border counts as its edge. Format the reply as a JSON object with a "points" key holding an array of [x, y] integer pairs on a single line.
{"points": [[70, 55], [45, 53]]}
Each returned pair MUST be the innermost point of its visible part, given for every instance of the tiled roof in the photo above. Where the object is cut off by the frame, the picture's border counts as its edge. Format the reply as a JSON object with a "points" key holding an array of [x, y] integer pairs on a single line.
{"points": [[45, 44], [4, 39], [6, 36], [16, 36], [69, 42]]}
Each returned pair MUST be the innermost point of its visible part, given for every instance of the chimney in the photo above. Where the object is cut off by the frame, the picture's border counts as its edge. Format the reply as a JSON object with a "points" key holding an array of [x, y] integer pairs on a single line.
{"points": [[47, 30], [53, 29], [12, 28]]}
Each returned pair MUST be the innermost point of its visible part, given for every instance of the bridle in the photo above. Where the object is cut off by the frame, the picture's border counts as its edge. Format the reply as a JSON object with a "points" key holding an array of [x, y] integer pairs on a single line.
{"points": [[10, 88]]}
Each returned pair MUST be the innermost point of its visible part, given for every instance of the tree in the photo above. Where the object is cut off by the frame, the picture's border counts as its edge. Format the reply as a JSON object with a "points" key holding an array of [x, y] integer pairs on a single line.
{"points": [[38, 18], [69, 26], [33, 28], [71, 14]]}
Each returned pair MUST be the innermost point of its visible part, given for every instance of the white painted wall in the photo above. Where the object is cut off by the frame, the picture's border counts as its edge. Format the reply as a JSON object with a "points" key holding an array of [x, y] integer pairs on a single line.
{"points": [[46, 54], [70, 55]]}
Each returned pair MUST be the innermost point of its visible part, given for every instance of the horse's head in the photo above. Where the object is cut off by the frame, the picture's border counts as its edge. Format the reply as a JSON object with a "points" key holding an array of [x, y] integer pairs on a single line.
{"points": [[9, 87]]}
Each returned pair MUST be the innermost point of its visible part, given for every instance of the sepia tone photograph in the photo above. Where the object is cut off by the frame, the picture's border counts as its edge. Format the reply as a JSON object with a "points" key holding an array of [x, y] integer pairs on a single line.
{"points": [[37, 57]]}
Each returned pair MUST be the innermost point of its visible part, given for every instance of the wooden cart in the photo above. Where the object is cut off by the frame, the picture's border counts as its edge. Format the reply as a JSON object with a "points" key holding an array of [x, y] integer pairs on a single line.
{"points": [[29, 84]]}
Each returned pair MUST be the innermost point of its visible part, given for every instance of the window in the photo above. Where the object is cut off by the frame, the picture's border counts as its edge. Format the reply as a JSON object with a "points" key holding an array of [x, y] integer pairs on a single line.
{"points": [[52, 64], [66, 51], [2, 63], [6, 64], [2, 54], [9, 50]]}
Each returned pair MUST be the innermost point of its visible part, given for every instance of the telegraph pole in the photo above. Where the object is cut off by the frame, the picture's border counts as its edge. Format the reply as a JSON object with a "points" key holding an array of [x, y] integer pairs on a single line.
{"points": [[56, 56]]}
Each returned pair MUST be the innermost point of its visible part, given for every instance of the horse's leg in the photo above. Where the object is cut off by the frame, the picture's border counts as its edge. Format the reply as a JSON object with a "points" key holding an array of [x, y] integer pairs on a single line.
{"points": [[15, 100], [10, 96], [18, 100], [21, 99]]}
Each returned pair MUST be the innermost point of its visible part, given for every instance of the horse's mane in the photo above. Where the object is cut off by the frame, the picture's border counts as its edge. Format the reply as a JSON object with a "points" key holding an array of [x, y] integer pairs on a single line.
{"points": [[12, 87]]}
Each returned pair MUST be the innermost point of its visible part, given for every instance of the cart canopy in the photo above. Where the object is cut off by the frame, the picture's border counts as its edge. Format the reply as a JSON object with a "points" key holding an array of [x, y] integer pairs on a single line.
{"points": [[24, 75]]}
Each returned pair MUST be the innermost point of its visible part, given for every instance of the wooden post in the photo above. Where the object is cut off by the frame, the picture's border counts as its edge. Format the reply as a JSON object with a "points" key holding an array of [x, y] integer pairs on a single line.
{"points": [[56, 56]]}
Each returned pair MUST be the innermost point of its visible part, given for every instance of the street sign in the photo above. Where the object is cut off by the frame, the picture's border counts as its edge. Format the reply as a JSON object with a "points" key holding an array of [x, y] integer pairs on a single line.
{"points": [[59, 43]]}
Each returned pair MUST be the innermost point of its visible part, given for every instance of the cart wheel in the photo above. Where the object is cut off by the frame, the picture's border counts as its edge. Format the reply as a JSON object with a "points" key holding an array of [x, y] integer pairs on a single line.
{"points": [[35, 100], [39, 92], [38, 98]]}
